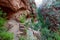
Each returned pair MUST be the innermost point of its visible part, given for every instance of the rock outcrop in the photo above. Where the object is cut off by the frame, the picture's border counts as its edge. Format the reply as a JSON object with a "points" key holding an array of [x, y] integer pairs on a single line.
{"points": [[12, 7], [15, 4], [15, 8]]}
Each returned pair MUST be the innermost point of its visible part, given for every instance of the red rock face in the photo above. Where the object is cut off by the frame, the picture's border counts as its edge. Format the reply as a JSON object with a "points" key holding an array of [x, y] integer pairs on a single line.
{"points": [[13, 4], [12, 7]]}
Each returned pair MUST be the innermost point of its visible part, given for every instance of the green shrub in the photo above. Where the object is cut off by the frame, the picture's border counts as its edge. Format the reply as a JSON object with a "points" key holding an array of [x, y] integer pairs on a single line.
{"points": [[2, 21], [22, 38], [22, 18], [47, 34], [56, 36], [6, 36]]}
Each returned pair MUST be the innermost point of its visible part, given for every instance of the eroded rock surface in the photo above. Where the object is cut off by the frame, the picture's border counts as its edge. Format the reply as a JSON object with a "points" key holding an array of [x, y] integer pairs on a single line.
{"points": [[14, 4]]}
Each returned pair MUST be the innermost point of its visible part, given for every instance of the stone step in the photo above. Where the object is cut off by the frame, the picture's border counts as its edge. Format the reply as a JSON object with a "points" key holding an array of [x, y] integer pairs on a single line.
{"points": [[21, 28]]}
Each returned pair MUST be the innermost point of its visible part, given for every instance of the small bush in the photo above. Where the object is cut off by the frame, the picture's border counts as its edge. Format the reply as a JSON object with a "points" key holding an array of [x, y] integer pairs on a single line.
{"points": [[22, 38], [6, 36]]}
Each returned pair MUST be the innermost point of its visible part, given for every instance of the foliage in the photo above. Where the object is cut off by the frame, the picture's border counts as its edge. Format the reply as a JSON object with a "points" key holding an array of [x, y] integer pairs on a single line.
{"points": [[22, 18], [4, 35], [22, 38], [46, 33], [43, 24], [2, 21]]}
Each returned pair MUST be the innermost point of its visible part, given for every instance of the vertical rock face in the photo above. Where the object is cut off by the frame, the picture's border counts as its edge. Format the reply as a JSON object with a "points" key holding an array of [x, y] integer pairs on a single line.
{"points": [[13, 7], [14, 4]]}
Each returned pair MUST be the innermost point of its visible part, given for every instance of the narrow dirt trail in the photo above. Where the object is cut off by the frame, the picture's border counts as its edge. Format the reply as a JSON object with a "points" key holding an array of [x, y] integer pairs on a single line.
{"points": [[14, 29]]}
